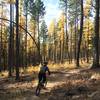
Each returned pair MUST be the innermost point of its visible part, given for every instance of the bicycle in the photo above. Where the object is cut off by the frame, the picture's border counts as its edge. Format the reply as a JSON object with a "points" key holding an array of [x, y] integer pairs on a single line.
{"points": [[40, 86]]}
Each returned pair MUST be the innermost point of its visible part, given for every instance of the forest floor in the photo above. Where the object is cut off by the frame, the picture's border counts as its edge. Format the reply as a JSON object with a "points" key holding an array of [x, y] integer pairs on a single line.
{"points": [[63, 84]]}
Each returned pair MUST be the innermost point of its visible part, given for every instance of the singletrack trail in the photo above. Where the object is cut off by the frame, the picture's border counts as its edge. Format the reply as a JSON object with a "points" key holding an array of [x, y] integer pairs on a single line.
{"points": [[25, 90]]}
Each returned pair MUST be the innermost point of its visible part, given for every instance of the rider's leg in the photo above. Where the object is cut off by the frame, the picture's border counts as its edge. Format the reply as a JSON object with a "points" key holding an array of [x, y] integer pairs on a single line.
{"points": [[40, 77], [44, 78]]}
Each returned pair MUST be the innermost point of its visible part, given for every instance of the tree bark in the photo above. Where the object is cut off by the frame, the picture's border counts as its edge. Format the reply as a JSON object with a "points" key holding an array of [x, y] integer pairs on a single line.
{"points": [[10, 56], [96, 37], [80, 35], [40, 57], [17, 40], [26, 40]]}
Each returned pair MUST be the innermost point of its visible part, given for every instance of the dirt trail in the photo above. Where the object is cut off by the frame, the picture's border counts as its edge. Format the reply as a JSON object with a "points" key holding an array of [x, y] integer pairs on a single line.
{"points": [[56, 78], [26, 90]]}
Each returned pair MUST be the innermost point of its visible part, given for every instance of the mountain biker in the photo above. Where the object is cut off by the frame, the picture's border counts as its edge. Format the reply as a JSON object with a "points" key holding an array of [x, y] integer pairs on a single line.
{"points": [[42, 73]]}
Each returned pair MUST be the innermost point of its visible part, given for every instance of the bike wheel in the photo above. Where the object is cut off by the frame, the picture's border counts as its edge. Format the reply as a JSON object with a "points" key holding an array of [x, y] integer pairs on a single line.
{"points": [[45, 84], [38, 90]]}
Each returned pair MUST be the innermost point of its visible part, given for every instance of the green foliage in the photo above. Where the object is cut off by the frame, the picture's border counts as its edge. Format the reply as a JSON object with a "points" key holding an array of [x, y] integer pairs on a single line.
{"points": [[63, 3], [39, 8], [43, 31], [36, 9], [74, 9]]}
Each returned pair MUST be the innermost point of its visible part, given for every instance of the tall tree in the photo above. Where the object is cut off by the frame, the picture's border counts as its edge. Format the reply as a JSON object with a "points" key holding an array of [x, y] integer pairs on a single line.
{"points": [[74, 13], [11, 42], [80, 34], [52, 40], [37, 11], [96, 37], [26, 15], [43, 36], [2, 6], [17, 40], [64, 5], [61, 24]]}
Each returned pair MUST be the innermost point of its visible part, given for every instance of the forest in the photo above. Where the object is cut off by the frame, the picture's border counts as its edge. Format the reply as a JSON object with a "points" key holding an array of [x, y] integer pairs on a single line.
{"points": [[68, 42]]}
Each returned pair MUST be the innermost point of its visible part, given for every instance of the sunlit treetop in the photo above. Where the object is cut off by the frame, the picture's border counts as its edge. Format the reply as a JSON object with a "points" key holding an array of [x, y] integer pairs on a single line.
{"points": [[87, 7], [11, 1], [51, 28]]}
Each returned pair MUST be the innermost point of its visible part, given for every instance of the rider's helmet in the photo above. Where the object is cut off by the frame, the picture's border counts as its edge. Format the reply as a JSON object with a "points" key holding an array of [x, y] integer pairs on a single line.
{"points": [[45, 63]]}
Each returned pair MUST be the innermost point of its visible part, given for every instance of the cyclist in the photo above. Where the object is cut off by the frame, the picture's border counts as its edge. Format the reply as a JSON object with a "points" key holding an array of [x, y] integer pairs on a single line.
{"points": [[42, 73]]}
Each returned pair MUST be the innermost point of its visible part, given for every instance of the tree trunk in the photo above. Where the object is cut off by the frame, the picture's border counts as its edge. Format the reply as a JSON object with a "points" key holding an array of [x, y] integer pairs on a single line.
{"points": [[26, 40], [76, 31], [17, 40], [10, 56], [40, 57], [1, 44], [13, 53], [80, 35], [67, 52], [1, 49], [75, 41], [96, 38]]}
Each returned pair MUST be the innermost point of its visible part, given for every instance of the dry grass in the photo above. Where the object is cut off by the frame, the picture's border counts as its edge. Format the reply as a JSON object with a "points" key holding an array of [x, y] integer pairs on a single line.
{"points": [[96, 76], [4, 74], [84, 85], [52, 67], [75, 84], [67, 66]]}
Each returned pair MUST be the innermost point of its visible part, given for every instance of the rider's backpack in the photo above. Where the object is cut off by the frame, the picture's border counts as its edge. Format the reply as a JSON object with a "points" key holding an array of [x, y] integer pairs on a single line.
{"points": [[43, 69]]}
